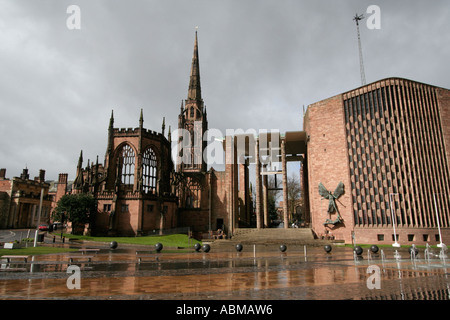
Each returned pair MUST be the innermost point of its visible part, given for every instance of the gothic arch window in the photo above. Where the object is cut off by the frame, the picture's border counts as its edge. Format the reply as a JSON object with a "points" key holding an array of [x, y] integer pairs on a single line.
{"points": [[126, 163], [149, 171], [191, 115], [193, 193]]}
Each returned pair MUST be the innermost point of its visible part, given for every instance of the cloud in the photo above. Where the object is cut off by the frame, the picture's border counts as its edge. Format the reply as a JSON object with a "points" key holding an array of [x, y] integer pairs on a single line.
{"points": [[260, 62]]}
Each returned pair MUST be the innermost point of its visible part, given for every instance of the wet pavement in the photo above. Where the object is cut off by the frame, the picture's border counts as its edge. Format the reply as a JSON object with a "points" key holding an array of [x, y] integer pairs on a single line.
{"points": [[261, 273]]}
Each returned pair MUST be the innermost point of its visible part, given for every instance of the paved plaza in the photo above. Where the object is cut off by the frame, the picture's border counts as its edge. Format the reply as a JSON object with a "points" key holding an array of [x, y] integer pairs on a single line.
{"points": [[255, 273]]}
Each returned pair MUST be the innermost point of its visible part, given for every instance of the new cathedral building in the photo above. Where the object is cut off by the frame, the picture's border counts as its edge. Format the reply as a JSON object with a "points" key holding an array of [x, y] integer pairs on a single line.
{"points": [[388, 142], [374, 169]]}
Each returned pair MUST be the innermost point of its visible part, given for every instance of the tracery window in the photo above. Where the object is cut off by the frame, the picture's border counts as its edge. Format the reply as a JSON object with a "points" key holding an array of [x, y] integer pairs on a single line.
{"points": [[149, 171], [193, 193], [126, 163]]}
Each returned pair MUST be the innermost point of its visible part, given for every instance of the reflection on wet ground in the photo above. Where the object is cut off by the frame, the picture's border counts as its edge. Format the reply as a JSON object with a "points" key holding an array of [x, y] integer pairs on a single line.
{"points": [[263, 274]]}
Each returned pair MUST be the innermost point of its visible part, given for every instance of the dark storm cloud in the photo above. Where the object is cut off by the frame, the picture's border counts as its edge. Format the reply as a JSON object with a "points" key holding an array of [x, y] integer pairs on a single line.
{"points": [[260, 62]]}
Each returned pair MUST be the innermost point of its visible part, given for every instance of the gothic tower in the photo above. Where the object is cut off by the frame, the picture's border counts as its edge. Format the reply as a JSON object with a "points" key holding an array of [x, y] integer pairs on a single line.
{"points": [[192, 123]]}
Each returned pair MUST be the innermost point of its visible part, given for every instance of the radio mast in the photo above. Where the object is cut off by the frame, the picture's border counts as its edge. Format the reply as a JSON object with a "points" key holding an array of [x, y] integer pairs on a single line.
{"points": [[357, 18]]}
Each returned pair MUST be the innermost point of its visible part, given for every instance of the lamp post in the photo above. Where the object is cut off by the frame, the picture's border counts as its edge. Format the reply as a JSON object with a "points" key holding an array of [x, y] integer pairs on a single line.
{"points": [[39, 217], [438, 224], [396, 244]]}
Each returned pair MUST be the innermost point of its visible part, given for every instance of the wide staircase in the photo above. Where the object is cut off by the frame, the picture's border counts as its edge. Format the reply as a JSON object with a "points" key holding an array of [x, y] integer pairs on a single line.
{"points": [[270, 236]]}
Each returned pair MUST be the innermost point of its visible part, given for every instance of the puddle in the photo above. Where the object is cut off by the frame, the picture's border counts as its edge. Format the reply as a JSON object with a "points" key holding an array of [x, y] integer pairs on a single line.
{"points": [[224, 275]]}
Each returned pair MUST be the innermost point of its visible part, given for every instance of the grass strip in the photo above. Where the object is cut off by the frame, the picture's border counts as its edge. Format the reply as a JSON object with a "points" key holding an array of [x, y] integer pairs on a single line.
{"points": [[173, 240]]}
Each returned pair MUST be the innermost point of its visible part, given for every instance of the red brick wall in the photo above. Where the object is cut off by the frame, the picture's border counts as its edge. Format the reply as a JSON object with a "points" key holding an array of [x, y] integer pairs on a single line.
{"points": [[327, 160], [220, 198], [328, 163], [405, 236], [128, 224], [198, 219], [5, 185], [444, 108], [102, 219], [62, 186]]}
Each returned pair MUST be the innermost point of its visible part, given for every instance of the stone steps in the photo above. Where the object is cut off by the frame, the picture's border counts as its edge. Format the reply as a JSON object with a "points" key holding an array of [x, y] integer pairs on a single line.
{"points": [[270, 236], [273, 234]]}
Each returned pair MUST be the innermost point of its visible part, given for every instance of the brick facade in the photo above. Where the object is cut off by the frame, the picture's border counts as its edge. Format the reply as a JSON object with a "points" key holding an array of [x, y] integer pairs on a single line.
{"points": [[20, 200], [327, 164], [388, 143], [133, 187]]}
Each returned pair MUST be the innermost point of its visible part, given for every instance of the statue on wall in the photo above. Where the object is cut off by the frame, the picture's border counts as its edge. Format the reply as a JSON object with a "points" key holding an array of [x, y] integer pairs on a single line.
{"points": [[332, 197]]}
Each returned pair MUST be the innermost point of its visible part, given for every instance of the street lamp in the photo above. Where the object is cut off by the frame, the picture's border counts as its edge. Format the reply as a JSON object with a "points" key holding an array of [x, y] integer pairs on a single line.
{"points": [[438, 224], [39, 218], [396, 244]]}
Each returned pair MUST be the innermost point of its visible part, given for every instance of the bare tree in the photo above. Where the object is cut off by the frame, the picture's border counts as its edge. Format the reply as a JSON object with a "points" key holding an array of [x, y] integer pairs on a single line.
{"points": [[274, 191], [294, 199]]}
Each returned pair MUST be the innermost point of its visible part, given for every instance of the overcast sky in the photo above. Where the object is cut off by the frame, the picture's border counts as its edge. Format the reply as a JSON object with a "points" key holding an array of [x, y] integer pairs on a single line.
{"points": [[260, 62]]}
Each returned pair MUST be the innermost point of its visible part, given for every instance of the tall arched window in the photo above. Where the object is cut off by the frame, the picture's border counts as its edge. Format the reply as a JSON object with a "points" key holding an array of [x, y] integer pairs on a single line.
{"points": [[193, 193], [126, 162], [149, 171]]}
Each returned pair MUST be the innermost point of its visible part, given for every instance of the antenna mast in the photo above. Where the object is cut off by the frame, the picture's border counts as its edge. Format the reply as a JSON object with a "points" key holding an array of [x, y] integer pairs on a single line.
{"points": [[357, 18]]}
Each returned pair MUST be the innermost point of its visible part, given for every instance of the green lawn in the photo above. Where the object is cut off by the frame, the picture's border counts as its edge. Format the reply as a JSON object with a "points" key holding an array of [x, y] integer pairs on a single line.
{"points": [[34, 251], [173, 240]]}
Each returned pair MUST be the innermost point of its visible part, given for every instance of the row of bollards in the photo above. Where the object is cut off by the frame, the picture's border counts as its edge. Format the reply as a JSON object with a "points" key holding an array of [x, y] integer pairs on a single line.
{"points": [[63, 238], [114, 245], [206, 247], [357, 250], [413, 252], [239, 247]]}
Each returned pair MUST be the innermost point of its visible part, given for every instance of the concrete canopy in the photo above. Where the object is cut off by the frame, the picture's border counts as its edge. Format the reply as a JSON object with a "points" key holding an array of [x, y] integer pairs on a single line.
{"points": [[269, 144], [295, 145]]}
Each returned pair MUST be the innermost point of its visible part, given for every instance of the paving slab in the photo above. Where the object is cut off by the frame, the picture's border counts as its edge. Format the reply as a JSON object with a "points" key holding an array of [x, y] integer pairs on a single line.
{"points": [[268, 274]]}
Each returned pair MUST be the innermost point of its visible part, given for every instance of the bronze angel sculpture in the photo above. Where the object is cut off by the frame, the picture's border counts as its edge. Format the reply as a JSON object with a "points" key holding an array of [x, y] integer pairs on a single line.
{"points": [[332, 197]]}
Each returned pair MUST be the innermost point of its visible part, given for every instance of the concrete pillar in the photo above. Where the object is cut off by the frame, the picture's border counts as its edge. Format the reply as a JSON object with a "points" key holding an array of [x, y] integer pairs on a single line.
{"points": [[140, 220], [248, 203], [265, 200], [244, 206], [258, 185], [231, 169], [161, 221], [284, 173]]}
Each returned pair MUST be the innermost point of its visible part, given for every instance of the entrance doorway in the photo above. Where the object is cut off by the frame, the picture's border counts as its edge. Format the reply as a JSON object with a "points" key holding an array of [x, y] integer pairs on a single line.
{"points": [[219, 224]]}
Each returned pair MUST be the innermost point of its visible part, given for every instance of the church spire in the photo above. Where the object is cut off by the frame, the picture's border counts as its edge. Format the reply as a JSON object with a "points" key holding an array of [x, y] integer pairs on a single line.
{"points": [[163, 127], [193, 119], [78, 183], [141, 119], [195, 92], [110, 133], [111, 120], [80, 160]]}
